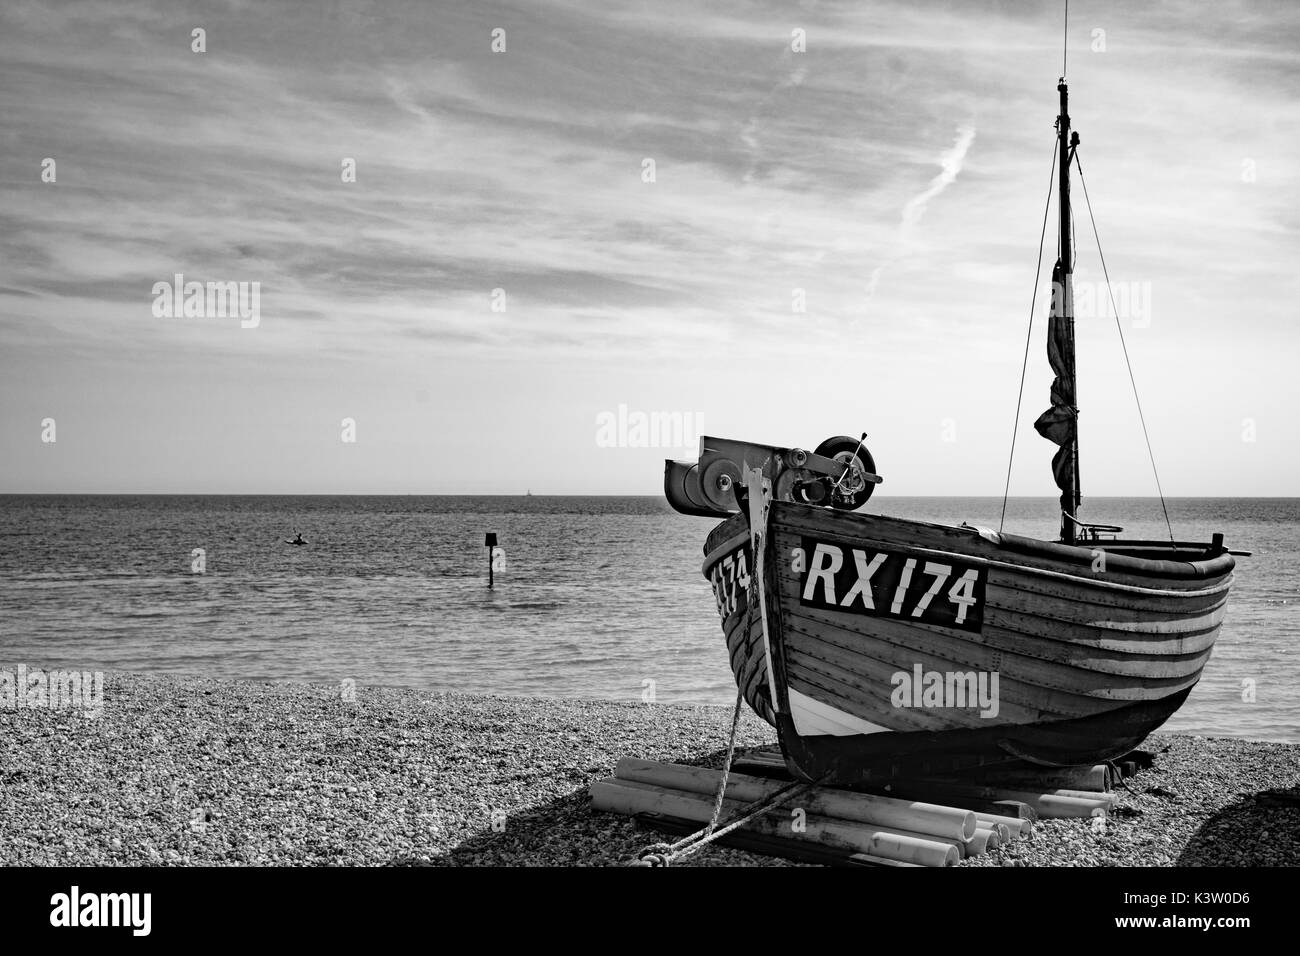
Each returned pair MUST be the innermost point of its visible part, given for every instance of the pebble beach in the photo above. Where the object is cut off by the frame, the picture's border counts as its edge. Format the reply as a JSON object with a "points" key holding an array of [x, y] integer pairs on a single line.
{"points": [[197, 771]]}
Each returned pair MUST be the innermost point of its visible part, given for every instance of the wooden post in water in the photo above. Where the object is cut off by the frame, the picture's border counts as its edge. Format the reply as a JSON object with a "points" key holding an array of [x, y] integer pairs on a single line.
{"points": [[490, 542]]}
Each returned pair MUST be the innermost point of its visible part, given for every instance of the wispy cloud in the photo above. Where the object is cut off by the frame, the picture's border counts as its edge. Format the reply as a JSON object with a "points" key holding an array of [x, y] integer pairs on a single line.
{"points": [[950, 163]]}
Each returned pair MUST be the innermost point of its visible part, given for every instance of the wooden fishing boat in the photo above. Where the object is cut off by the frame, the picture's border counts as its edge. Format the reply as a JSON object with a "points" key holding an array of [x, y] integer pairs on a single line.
{"points": [[874, 643]]}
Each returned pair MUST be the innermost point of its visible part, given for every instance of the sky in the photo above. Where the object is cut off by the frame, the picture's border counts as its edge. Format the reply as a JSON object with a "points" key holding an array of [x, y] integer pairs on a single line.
{"points": [[829, 240]]}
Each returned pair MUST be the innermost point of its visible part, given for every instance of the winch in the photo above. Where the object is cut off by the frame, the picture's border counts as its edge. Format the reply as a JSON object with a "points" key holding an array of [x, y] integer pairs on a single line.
{"points": [[840, 473]]}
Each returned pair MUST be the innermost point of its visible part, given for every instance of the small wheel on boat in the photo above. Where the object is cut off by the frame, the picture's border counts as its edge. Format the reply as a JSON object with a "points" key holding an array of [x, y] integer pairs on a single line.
{"points": [[718, 482], [851, 493]]}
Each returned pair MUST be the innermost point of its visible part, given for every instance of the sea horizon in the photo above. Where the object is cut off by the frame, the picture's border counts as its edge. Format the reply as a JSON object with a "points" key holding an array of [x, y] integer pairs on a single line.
{"points": [[595, 597]]}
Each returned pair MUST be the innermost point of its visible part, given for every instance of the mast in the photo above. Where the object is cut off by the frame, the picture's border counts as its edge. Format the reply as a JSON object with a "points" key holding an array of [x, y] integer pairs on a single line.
{"points": [[1064, 307], [1059, 424]]}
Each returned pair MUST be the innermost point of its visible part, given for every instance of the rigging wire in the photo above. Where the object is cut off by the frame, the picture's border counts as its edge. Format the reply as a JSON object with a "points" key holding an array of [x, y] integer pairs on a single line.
{"points": [[1038, 275], [1120, 328], [1065, 40]]}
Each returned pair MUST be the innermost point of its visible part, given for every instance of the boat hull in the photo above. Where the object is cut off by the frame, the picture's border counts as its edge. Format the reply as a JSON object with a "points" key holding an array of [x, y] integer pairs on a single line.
{"points": [[889, 642]]}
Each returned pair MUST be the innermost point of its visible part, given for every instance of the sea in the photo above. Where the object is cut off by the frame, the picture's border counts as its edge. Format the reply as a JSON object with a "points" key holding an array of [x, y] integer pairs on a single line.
{"points": [[593, 597]]}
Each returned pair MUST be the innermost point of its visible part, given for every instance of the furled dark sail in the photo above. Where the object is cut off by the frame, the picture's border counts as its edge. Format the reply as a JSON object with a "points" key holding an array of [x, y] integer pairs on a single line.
{"points": [[1059, 423]]}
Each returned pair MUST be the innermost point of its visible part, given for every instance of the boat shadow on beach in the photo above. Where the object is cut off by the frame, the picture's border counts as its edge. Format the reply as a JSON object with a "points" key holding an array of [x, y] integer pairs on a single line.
{"points": [[1258, 830], [564, 832]]}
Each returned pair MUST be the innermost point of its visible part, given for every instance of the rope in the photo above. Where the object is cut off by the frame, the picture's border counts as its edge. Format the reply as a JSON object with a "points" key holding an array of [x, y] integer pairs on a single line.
{"points": [[663, 854], [726, 767], [1117, 776], [1120, 328], [1038, 274], [667, 851]]}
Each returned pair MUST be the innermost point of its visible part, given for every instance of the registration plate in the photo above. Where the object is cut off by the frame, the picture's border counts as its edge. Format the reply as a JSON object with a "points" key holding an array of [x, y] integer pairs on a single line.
{"points": [[878, 583], [730, 580]]}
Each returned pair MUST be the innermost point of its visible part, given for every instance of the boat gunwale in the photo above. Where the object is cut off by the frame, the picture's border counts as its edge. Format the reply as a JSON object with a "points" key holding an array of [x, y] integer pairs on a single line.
{"points": [[1218, 587], [1219, 566], [1206, 567], [716, 554], [1223, 584]]}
